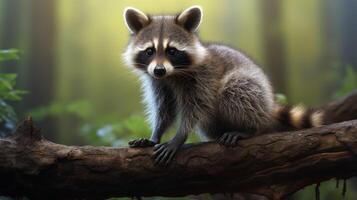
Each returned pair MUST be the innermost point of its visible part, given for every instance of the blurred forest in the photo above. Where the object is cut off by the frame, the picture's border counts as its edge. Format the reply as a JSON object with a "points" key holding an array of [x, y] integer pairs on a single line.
{"points": [[66, 58]]}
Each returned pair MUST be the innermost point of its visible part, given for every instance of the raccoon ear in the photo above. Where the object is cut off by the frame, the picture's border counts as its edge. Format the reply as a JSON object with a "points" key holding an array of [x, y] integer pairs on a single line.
{"points": [[135, 20], [190, 18]]}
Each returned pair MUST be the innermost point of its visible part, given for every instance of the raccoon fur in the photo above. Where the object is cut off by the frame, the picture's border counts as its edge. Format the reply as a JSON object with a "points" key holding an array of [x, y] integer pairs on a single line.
{"points": [[213, 89]]}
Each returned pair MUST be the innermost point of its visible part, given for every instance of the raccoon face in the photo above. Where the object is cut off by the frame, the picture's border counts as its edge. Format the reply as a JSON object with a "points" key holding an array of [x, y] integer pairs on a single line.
{"points": [[164, 45]]}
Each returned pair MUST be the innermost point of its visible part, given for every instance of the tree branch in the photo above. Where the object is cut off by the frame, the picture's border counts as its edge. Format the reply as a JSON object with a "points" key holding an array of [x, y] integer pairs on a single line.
{"points": [[274, 165]]}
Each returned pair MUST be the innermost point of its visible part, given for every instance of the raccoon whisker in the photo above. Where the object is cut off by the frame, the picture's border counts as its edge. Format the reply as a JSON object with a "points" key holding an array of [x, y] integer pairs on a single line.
{"points": [[186, 74], [140, 64], [181, 66], [186, 70]]}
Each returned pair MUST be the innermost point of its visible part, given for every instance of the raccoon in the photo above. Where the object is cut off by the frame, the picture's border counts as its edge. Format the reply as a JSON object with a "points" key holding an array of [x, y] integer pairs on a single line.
{"points": [[211, 88]]}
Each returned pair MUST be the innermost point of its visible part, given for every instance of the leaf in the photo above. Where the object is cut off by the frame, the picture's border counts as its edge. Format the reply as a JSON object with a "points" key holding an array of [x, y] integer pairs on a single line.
{"points": [[7, 113], [5, 84], [14, 95], [9, 93], [9, 79], [10, 54]]}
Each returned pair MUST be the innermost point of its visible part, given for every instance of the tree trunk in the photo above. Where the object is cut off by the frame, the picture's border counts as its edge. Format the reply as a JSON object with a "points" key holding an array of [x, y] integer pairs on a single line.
{"points": [[41, 61], [273, 43]]}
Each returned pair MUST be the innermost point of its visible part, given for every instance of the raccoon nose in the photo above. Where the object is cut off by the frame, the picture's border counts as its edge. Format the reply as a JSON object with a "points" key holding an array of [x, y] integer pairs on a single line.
{"points": [[159, 71]]}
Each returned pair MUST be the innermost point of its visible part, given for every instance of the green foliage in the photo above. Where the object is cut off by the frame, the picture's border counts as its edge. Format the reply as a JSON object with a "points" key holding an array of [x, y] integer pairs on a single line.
{"points": [[116, 133], [102, 130], [10, 54], [79, 108], [8, 92], [328, 190], [7, 87], [349, 83], [281, 99]]}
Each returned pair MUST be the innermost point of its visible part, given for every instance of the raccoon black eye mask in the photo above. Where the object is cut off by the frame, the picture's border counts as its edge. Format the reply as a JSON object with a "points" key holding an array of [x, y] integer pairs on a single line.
{"points": [[211, 88], [179, 59]]}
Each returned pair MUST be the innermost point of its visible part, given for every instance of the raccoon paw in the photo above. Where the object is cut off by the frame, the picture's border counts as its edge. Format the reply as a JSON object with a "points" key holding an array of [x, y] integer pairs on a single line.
{"points": [[230, 139], [142, 142], [164, 153]]}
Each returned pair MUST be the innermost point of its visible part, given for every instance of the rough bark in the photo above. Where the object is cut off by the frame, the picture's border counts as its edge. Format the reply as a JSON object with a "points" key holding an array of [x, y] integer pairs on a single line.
{"points": [[274, 165]]}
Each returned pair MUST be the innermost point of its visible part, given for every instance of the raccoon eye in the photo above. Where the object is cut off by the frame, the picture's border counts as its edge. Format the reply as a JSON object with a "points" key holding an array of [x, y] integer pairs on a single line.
{"points": [[150, 51], [172, 51]]}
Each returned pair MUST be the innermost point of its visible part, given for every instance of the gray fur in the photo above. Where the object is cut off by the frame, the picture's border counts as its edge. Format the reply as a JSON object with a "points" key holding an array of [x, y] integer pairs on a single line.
{"points": [[225, 92]]}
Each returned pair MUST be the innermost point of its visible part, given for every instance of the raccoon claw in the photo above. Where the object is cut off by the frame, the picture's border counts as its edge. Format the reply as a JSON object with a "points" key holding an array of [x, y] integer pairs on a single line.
{"points": [[164, 153], [142, 142], [230, 139]]}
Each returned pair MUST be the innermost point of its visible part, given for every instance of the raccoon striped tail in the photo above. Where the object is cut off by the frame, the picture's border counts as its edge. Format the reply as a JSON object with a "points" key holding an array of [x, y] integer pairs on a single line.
{"points": [[298, 117]]}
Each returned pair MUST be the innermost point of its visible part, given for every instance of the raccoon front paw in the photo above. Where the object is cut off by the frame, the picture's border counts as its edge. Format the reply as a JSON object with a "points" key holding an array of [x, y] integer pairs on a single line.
{"points": [[231, 139], [142, 142], [164, 153]]}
